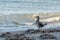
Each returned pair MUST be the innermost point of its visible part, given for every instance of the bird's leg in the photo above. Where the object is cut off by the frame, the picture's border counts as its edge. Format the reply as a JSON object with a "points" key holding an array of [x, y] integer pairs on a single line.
{"points": [[38, 28], [41, 28]]}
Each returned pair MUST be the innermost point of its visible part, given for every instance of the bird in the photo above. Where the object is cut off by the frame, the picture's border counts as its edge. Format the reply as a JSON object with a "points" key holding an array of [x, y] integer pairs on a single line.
{"points": [[38, 23]]}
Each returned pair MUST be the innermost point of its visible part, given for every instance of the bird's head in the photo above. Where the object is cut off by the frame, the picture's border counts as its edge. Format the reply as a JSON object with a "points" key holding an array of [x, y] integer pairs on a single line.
{"points": [[36, 17]]}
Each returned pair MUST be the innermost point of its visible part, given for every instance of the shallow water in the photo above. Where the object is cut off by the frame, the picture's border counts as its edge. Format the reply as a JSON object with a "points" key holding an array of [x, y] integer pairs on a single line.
{"points": [[26, 27]]}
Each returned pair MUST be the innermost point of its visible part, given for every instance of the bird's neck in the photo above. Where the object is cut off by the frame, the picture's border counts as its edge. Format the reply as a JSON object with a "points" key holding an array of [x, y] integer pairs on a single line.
{"points": [[37, 20]]}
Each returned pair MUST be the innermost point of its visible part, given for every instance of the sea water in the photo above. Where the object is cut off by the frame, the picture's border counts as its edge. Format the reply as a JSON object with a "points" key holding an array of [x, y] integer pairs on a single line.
{"points": [[28, 6], [26, 27]]}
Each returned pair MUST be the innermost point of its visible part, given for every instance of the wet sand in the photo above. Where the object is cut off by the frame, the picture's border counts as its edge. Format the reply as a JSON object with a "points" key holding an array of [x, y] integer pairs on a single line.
{"points": [[27, 35]]}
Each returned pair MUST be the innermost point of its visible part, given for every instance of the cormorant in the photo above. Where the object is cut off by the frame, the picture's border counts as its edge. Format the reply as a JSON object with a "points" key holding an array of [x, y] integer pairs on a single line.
{"points": [[38, 23]]}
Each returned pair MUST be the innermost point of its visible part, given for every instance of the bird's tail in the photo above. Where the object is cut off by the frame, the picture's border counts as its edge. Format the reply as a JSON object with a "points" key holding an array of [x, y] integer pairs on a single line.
{"points": [[45, 24]]}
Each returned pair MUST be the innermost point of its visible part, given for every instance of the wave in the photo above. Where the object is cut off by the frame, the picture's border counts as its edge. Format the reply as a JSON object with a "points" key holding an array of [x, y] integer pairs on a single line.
{"points": [[51, 19]]}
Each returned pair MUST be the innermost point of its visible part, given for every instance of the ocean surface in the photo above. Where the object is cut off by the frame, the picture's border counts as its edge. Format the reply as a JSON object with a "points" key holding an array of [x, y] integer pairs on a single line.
{"points": [[28, 6], [26, 27]]}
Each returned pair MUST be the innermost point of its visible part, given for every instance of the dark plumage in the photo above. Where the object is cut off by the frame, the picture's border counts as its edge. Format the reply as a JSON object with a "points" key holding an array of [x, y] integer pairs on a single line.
{"points": [[39, 24]]}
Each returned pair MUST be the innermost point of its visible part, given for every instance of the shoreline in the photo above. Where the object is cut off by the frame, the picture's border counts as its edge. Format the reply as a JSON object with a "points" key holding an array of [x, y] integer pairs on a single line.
{"points": [[29, 34]]}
